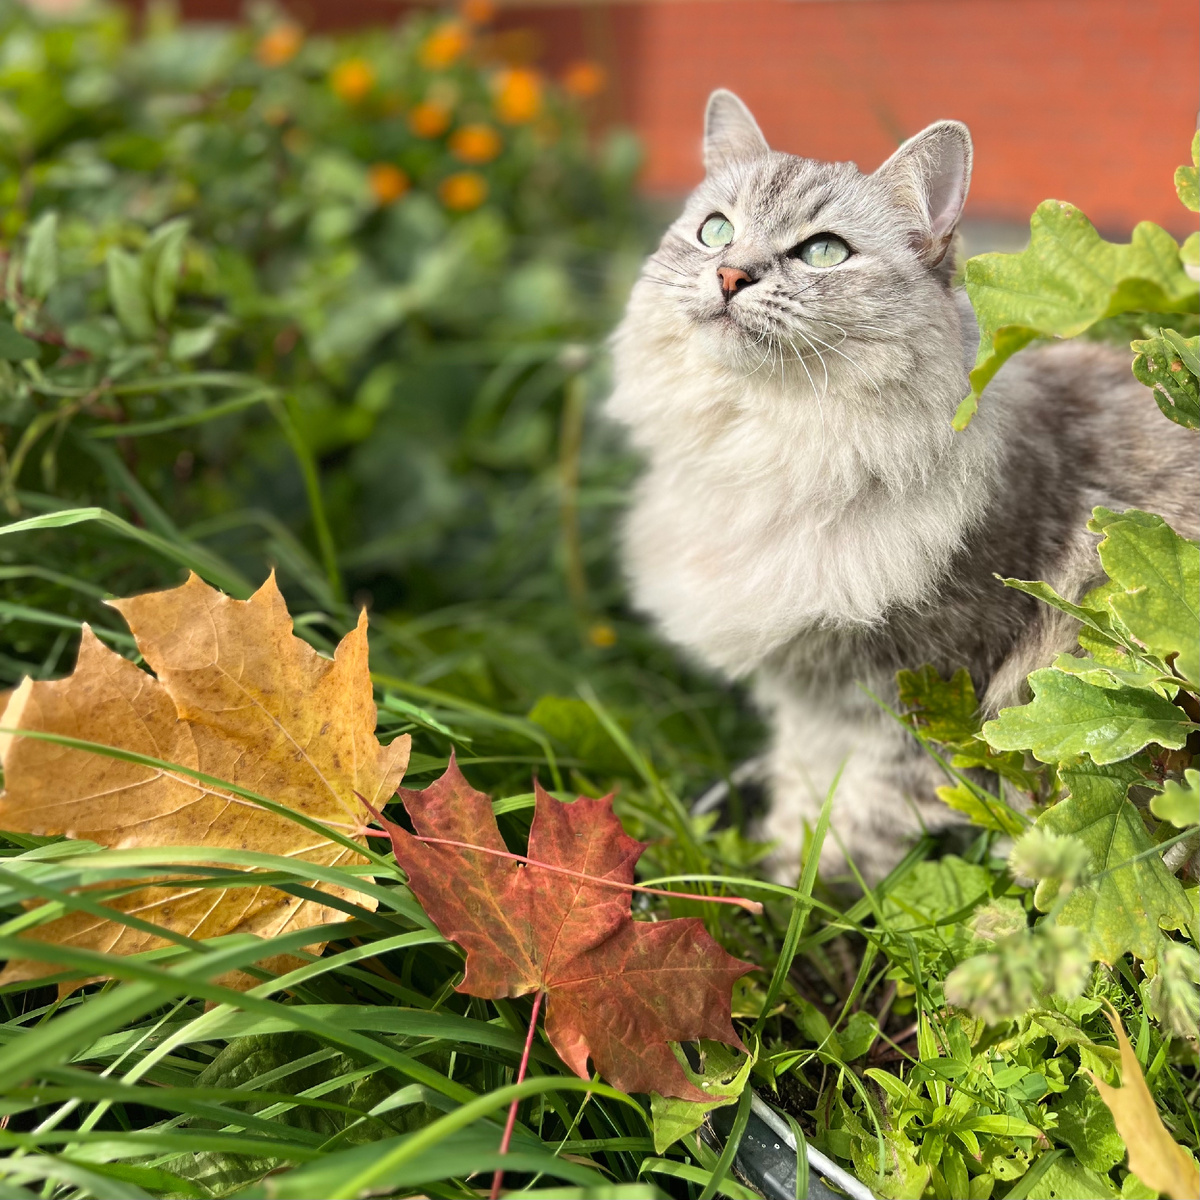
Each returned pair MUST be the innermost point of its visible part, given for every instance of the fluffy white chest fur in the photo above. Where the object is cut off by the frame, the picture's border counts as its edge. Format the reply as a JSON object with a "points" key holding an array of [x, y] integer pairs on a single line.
{"points": [[763, 513], [788, 365]]}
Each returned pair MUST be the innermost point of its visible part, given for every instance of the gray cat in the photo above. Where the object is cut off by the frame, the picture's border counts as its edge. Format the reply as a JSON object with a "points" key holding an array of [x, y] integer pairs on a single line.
{"points": [[788, 366]]}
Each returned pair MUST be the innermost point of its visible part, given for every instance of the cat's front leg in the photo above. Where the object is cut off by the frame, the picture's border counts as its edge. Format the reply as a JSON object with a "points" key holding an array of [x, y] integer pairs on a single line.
{"points": [[885, 795]]}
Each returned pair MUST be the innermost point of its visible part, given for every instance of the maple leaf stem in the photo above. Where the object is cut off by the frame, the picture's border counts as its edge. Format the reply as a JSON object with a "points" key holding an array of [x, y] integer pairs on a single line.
{"points": [[498, 1178], [752, 906]]}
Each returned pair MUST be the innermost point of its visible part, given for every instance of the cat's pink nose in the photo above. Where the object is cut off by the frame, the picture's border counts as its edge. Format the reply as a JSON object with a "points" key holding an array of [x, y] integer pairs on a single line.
{"points": [[733, 279]]}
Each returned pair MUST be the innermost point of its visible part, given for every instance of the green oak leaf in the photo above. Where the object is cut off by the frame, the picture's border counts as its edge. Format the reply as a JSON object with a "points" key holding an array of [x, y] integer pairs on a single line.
{"points": [[723, 1072], [1157, 573], [1165, 365], [1136, 675], [988, 812], [1186, 179], [1008, 764], [1131, 896], [1189, 255], [1179, 804], [1188, 349], [1115, 656], [946, 711], [1068, 717], [942, 709], [1090, 612], [1066, 280], [899, 1173]]}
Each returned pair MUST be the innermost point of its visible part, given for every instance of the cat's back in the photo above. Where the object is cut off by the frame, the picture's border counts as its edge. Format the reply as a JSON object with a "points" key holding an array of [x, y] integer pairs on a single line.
{"points": [[1077, 413]]}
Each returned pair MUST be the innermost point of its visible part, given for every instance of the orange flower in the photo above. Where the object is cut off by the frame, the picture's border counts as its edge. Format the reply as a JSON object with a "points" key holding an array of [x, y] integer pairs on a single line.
{"points": [[475, 143], [478, 12], [352, 79], [602, 635], [518, 95], [429, 119], [584, 79], [387, 183], [445, 45], [280, 44], [464, 191]]}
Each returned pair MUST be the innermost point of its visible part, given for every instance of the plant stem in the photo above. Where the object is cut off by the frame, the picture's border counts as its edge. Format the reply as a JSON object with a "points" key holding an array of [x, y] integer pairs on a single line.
{"points": [[498, 1178], [312, 487], [570, 445]]}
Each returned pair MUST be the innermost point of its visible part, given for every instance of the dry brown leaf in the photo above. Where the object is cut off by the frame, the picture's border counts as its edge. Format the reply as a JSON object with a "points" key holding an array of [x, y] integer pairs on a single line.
{"points": [[237, 696], [1154, 1155]]}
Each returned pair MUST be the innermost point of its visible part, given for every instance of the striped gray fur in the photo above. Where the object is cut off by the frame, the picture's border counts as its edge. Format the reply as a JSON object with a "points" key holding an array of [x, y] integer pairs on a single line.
{"points": [[808, 520]]}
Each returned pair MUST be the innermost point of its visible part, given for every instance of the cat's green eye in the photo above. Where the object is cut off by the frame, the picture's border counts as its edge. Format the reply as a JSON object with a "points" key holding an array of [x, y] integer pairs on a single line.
{"points": [[717, 230], [824, 250]]}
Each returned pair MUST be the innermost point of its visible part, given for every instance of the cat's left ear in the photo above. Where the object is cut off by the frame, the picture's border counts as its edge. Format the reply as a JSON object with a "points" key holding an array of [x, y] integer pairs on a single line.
{"points": [[731, 134], [931, 173]]}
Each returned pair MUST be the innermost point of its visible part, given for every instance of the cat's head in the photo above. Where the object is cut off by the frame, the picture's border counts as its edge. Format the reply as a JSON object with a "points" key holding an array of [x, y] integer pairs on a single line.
{"points": [[808, 263]]}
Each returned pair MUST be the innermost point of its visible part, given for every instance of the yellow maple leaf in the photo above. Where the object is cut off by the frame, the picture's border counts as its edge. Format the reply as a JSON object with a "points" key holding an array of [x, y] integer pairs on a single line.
{"points": [[235, 695], [1154, 1155]]}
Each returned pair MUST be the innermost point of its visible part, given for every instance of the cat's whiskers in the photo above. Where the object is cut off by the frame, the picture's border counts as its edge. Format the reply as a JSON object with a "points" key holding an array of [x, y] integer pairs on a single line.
{"points": [[820, 359], [667, 267], [870, 378], [758, 341], [776, 346], [822, 320], [665, 282], [857, 325], [818, 399]]}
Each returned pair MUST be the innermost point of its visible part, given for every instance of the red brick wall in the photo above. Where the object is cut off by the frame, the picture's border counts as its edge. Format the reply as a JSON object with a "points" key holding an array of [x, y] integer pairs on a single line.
{"points": [[1092, 101]]}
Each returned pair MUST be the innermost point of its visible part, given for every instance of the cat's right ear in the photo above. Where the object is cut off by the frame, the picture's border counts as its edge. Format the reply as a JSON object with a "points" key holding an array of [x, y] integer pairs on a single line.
{"points": [[931, 173], [731, 134]]}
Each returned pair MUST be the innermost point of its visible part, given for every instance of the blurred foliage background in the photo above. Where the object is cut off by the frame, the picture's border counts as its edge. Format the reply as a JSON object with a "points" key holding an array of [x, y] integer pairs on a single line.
{"points": [[331, 306]]}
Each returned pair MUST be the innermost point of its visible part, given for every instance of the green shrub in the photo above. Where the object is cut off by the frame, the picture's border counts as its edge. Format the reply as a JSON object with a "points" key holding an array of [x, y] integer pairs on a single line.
{"points": [[273, 301]]}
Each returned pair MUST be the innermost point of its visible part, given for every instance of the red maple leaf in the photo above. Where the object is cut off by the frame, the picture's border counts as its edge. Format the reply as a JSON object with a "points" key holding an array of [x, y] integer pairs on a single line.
{"points": [[617, 990]]}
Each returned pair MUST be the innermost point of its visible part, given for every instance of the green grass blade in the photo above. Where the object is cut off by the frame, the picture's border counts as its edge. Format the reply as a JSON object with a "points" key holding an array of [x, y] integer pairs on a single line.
{"points": [[678, 1170], [801, 906], [733, 1142], [149, 986], [312, 486], [371, 1175], [187, 554], [183, 420], [46, 1169]]}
